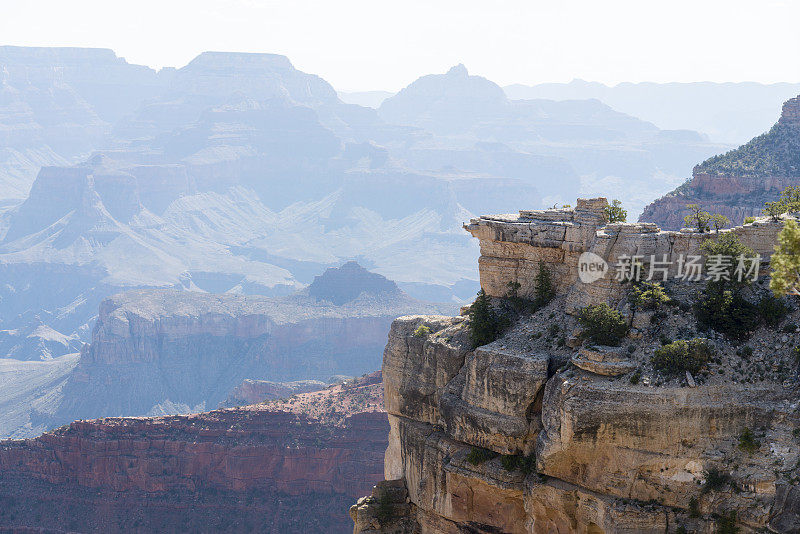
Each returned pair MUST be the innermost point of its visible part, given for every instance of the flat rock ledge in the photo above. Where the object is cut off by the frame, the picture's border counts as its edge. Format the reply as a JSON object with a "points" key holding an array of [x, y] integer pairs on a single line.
{"points": [[605, 361]]}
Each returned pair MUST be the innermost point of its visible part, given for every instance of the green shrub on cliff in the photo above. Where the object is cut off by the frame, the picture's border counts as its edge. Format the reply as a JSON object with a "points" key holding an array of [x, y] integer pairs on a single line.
{"points": [[544, 291], [422, 331], [748, 442], [485, 324], [681, 356], [726, 523], [727, 312], [719, 221], [384, 511], [789, 201], [715, 479], [694, 507], [720, 305], [514, 462], [477, 455], [785, 262], [773, 310], [649, 296], [697, 218], [603, 325]]}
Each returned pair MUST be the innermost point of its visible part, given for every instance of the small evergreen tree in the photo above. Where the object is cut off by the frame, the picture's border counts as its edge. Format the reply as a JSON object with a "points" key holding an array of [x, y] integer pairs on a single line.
{"points": [[648, 296], [773, 210], [721, 305], [719, 221], [603, 325], [748, 442], [697, 218], [544, 286], [485, 325], [681, 356], [786, 261], [614, 212], [789, 201]]}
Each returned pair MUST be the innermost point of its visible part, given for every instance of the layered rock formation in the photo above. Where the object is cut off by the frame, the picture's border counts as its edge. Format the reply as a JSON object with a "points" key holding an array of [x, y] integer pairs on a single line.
{"points": [[162, 352], [166, 351], [57, 104], [738, 183], [277, 468], [516, 437]]}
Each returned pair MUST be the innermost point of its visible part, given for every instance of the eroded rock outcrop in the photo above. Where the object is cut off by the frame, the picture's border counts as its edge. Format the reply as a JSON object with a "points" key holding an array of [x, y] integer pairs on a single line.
{"points": [[538, 432]]}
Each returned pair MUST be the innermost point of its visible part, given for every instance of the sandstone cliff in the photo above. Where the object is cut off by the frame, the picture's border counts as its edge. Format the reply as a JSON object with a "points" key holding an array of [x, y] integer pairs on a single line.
{"points": [[539, 432], [282, 467], [738, 183]]}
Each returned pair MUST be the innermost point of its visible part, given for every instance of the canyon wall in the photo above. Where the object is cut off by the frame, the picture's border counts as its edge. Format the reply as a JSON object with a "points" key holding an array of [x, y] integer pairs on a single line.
{"points": [[735, 197], [535, 433], [260, 468], [161, 352]]}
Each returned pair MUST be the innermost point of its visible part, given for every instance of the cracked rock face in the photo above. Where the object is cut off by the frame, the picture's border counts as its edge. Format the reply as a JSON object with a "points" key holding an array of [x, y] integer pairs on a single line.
{"points": [[610, 456], [513, 437], [494, 400]]}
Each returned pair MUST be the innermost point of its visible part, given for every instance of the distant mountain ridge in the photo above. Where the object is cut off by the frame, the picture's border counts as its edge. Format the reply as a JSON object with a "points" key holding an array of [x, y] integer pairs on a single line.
{"points": [[348, 282], [238, 173], [729, 112]]}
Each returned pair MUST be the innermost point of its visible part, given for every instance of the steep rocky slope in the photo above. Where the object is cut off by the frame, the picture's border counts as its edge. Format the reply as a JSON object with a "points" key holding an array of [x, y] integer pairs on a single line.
{"points": [[57, 104], [251, 391], [738, 183], [30, 391], [286, 467], [543, 432]]}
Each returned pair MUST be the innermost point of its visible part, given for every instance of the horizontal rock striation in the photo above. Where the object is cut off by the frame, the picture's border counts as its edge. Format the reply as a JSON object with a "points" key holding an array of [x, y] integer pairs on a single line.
{"points": [[735, 197], [513, 247], [510, 437], [257, 468]]}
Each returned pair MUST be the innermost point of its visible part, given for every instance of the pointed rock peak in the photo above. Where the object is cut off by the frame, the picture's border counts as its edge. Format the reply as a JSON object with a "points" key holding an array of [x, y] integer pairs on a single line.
{"points": [[791, 112], [459, 70], [346, 283]]}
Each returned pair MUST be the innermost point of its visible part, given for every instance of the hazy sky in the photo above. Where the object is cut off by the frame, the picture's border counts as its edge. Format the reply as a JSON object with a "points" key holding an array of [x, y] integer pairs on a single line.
{"points": [[374, 44]]}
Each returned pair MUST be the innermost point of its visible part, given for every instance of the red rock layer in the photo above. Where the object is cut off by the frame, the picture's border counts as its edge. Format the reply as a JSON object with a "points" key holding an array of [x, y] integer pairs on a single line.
{"points": [[733, 196], [238, 469]]}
